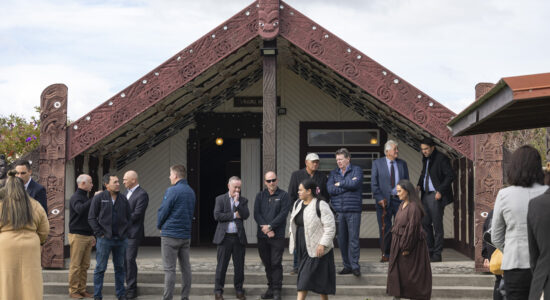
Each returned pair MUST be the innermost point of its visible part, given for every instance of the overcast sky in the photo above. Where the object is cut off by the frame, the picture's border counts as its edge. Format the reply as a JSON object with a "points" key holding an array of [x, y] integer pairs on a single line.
{"points": [[97, 48]]}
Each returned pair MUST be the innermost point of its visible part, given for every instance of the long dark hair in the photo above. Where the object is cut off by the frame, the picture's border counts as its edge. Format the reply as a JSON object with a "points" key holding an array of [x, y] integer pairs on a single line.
{"points": [[309, 184], [525, 167], [413, 194], [16, 204]]}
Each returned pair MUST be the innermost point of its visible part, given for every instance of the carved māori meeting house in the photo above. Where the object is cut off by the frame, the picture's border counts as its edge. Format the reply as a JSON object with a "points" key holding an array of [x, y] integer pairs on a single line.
{"points": [[269, 85]]}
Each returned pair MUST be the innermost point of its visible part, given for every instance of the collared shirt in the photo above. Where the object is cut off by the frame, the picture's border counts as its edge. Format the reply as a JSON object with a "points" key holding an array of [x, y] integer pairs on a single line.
{"points": [[27, 184], [344, 171], [388, 162], [131, 191], [432, 188], [232, 227]]}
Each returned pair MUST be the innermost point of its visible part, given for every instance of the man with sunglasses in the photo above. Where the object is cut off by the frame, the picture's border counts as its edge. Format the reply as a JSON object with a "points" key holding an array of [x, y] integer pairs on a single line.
{"points": [[270, 211], [36, 190]]}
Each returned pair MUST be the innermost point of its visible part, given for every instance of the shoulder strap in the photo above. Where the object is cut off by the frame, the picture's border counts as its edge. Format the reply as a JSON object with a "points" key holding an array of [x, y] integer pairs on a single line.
{"points": [[317, 208]]}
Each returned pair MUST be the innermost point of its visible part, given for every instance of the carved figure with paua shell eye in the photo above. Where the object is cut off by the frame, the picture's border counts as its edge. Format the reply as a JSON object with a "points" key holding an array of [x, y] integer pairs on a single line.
{"points": [[268, 25]]}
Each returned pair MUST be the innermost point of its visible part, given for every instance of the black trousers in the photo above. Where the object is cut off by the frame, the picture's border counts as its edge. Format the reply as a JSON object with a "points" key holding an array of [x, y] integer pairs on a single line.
{"points": [[433, 223], [131, 266], [496, 291], [230, 248], [517, 283], [271, 253]]}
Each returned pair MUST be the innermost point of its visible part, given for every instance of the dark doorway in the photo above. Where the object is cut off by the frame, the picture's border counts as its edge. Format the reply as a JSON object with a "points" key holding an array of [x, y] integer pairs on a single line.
{"points": [[217, 164]]}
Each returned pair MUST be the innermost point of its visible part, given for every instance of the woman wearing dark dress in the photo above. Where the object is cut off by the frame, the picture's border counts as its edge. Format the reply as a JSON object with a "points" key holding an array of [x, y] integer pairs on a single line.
{"points": [[409, 270], [312, 237]]}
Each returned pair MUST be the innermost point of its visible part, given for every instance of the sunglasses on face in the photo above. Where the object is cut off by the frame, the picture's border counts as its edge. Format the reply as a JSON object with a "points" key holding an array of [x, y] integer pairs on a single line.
{"points": [[270, 180]]}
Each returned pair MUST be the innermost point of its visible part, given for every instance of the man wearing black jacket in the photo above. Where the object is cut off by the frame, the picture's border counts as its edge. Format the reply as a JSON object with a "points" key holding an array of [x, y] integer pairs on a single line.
{"points": [[81, 238], [435, 182], [138, 199], [110, 218], [310, 171], [270, 211], [35, 189]]}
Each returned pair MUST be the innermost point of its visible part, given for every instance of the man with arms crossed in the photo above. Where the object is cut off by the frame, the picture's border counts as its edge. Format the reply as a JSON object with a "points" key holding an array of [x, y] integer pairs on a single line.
{"points": [[345, 188]]}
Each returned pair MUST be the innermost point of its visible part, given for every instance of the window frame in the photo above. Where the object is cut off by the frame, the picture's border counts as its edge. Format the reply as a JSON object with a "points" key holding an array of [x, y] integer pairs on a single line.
{"points": [[305, 148]]}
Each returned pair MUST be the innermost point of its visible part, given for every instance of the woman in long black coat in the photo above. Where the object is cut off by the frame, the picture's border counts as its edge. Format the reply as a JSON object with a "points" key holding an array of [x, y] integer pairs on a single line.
{"points": [[409, 270]]}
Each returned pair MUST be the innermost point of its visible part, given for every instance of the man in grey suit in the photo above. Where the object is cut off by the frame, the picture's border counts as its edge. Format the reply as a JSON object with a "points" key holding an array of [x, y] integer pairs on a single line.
{"points": [[386, 173], [230, 211], [138, 200]]}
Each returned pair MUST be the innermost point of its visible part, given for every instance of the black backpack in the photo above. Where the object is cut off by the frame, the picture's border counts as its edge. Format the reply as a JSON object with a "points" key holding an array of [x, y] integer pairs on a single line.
{"points": [[317, 209]]}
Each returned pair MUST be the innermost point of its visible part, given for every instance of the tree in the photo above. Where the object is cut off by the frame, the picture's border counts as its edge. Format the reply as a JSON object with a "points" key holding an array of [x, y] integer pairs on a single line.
{"points": [[534, 137], [18, 135]]}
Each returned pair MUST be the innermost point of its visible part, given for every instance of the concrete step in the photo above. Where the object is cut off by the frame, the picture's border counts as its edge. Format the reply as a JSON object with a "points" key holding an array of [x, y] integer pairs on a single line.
{"points": [[474, 280], [464, 292]]}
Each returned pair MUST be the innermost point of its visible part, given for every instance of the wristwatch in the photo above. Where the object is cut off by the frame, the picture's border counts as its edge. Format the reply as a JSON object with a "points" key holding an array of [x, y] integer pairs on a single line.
{"points": [[269, 227]]}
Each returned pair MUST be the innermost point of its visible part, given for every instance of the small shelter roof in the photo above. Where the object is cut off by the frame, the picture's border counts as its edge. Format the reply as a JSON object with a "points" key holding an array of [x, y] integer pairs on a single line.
{"points": [[514, 103]]}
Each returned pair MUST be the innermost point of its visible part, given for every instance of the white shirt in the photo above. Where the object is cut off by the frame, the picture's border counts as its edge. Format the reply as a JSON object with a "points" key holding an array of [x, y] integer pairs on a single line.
{"points": [[131, 191], [27, 184]]}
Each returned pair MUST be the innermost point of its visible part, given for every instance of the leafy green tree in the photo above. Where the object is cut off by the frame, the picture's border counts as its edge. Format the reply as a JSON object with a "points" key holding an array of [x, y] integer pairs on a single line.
{"points": [[18, 135]]}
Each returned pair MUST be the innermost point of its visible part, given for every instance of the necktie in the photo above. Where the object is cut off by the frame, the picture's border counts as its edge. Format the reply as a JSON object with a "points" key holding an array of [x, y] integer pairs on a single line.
{"points": [[392, 175], [427, 180]]}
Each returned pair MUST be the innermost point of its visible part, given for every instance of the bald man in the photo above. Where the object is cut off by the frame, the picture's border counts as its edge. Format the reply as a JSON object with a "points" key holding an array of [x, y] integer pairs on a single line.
{"points": [[138, 200], [81, 238]]}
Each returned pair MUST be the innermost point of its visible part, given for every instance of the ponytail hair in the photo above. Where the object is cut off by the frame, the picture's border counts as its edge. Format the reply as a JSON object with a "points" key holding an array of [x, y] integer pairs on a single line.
{"points": [[309, 184], [16, 203]]}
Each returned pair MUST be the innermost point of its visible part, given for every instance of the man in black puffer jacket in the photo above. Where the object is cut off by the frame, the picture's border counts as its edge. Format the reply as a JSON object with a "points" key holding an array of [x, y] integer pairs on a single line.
{"points": [[110, 217]]}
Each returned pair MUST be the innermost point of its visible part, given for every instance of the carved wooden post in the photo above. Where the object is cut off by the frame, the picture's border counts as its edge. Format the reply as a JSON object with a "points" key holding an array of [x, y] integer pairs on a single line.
{"points": [[268, 29], [548, 148], [53, 145], [488, 177]]}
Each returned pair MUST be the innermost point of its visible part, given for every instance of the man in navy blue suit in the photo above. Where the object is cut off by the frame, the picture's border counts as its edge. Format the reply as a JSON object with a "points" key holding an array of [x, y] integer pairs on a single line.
{"points": [[386, 173], [35, 189]]}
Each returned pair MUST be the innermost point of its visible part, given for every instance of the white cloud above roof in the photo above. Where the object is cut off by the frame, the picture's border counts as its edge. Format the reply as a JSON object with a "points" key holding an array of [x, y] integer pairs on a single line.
{"points": [[98, 48]]}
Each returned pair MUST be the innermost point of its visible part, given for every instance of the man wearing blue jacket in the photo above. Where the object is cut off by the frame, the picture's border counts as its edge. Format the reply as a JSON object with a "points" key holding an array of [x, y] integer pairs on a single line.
{"points": [[345, 188], [174, 221]]}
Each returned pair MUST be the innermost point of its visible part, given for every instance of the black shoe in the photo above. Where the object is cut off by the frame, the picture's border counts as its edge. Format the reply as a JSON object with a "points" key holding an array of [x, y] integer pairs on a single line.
{"points": [[277, 295], [122, 298], [131, 295], [356, 272], [435, 258], [267, 295], [98, 298], [345, 271]]}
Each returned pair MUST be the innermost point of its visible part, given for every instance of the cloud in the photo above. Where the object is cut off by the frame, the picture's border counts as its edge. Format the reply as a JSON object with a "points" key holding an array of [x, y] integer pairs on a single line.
{"points": [[22, 85], [97, 48]]}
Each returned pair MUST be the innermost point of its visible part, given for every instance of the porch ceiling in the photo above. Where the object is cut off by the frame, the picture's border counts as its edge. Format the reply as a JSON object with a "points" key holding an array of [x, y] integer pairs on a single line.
{"points": [[356, 98], [219, 83]]}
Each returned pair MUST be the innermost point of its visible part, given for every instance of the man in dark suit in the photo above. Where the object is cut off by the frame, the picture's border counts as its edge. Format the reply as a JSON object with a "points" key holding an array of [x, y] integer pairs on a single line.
{"points": [[35, 189], [230, 211], [539, 245], [386, 173], [138, 200], [435, 182]]}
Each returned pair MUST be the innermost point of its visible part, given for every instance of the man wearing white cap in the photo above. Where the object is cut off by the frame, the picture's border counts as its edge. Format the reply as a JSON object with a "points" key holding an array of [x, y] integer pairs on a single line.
{"points": [[310, 171]]}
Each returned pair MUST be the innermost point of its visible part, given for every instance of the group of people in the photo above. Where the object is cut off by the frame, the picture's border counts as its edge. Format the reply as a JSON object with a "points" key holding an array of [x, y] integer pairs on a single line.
{"points": [[518, 225], [319, 206]]}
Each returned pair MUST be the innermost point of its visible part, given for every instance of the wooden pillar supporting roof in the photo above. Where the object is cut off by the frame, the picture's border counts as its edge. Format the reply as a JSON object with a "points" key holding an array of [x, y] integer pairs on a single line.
{"points": [[268, 29]]}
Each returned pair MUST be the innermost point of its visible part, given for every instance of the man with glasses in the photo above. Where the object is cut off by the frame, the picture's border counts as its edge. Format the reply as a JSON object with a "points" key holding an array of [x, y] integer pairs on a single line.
{"points": [[36, 190], [270, 211]]}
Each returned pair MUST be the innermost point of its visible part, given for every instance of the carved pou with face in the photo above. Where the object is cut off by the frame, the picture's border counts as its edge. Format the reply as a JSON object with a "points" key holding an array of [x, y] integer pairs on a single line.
{"points": [[268, 20]]}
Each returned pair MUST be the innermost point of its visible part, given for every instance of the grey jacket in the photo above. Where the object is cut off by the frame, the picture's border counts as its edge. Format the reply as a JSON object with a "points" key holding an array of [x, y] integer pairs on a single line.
{"points": [[509, 228]]}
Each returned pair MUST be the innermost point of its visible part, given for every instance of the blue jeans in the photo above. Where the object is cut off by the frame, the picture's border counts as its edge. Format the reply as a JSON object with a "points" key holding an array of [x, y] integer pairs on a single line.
{"points": [[348, 238], [104, 247]]}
